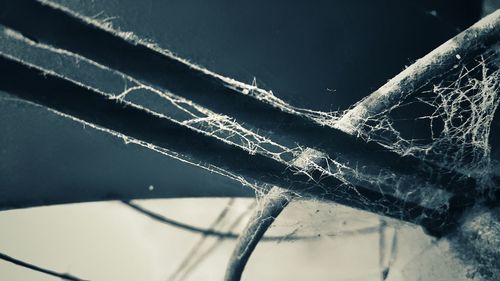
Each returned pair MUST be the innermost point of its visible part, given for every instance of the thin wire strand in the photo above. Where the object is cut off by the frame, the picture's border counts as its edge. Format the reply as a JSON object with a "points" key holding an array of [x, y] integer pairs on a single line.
{"points": [[64, 276]]}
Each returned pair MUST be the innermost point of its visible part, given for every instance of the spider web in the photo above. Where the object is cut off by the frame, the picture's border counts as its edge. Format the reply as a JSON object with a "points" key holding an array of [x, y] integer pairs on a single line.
{"points": [[460, 109]]}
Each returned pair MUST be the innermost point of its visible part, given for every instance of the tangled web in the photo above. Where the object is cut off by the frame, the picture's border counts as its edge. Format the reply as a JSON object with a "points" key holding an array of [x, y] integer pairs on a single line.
{"points": [[458, 124], [457, 113], [460, 110]]}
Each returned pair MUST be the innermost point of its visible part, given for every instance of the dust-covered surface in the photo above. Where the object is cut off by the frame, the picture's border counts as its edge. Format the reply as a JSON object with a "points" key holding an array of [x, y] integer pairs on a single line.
{"points": [[349, 172], [458, 114]]}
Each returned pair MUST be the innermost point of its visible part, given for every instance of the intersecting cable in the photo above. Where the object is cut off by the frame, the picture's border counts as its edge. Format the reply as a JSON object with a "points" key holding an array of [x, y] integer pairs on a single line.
{"points": [[394, 91], [194, 250], [210, 231], [220, 94], [151, 65], [437, 63], [368, 107], [21, 263], [216, 244], [203, 231], [234, 235], [272, 204], [80, 102], [270, 207]]}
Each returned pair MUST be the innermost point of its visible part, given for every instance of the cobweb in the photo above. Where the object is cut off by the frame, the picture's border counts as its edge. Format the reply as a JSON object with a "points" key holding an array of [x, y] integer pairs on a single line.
{"points": [[459, 110], [458, 124]]}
